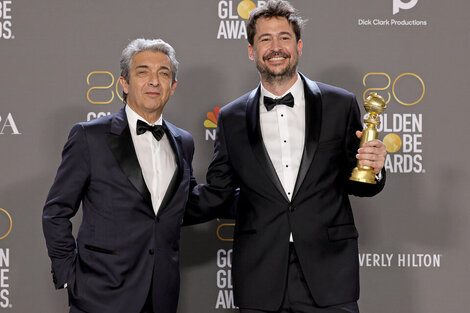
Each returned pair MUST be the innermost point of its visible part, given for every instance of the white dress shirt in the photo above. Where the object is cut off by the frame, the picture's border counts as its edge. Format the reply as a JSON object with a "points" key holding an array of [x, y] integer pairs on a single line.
{"points": [[283, 131], [156, 158]]}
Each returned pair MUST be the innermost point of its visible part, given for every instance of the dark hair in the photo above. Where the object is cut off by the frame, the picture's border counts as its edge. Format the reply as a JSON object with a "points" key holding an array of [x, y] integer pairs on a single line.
{"points": [[275, 8]]}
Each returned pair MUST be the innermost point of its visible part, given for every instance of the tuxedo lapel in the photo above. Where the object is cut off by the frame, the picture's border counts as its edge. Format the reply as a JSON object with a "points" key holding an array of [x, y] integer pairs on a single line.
{"points": [[313, 113], [256, 140], [119, 141], [175, 141]]}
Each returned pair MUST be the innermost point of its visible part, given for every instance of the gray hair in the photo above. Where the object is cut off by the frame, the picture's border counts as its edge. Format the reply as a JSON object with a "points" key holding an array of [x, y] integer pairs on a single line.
{"points": [[141, 44]]}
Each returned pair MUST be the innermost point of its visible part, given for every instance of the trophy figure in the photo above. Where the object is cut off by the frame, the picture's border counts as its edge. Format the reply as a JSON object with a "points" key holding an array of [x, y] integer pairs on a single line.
{"points": [[374, 106]]}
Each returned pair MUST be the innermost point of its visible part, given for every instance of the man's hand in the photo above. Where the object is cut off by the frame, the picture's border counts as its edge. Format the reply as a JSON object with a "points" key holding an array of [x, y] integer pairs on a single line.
{"points": [[372, 154]]}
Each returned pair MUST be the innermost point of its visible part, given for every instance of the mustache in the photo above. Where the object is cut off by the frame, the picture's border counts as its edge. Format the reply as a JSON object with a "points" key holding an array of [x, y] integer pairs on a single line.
{"points": [[276, 54]]}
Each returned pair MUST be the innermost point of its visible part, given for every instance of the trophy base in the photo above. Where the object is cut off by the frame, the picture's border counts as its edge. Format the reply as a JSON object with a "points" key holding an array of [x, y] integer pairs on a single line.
{"points": [[363, 176]]}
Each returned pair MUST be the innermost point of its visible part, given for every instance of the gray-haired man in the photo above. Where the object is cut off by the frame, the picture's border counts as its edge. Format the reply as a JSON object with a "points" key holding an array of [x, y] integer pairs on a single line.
{"points": [[131, 171]]}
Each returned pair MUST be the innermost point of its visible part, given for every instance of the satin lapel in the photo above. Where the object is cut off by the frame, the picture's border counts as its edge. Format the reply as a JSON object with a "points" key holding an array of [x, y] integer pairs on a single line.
{"points": [[313, 113], [119, 141], [175, 142], [256, 140]]}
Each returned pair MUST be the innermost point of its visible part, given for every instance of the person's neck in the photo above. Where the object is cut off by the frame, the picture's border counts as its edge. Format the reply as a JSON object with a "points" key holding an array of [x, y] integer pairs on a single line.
{"points": [[279, 86], [150, 117]]}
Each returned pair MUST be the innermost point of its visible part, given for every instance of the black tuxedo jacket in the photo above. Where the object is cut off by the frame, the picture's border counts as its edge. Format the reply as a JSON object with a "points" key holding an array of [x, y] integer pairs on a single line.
{"points": [[319, 215], [122, 247]]}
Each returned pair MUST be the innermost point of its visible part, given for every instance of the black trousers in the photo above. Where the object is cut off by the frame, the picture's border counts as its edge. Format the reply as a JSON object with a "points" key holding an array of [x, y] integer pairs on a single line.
{"points": [[297, 297]]}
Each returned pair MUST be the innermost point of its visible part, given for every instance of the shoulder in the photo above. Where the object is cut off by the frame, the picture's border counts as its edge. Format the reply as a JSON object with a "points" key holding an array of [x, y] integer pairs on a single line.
{"points": [[97, 128], [240, 101], [326, 89], [336, 97], [330, 90], [177, 131], [238, 107], [101, 123]]}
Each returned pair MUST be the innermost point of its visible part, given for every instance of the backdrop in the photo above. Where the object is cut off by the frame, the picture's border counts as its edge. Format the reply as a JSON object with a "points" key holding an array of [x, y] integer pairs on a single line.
{"points": [[60, 65]]}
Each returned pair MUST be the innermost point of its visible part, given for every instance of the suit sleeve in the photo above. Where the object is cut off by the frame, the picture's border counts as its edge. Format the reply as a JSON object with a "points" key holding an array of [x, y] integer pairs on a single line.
{"points": [[352, 144], [62, 203], [217, 198]]}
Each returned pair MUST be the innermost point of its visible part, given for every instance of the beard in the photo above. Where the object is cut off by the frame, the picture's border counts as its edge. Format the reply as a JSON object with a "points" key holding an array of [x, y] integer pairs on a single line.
{"points": [[283, 75]]}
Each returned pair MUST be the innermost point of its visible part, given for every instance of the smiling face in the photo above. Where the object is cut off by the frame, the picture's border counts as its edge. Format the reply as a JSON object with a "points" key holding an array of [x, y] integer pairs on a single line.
{"points": [[150, 84], [275, 49]]}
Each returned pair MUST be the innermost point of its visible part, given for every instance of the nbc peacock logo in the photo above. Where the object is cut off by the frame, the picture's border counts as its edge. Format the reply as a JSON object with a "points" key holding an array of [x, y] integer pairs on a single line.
{"points": [[232, 15], [211, 123]]}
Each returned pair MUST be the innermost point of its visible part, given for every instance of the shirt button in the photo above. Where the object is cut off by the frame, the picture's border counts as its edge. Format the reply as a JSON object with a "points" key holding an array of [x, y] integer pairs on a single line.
{"points": [[151, 251], [287, 165]]}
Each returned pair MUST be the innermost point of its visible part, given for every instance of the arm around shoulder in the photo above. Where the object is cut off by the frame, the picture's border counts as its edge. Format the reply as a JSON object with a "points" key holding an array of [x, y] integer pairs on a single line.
{"points": [[217, 198]]}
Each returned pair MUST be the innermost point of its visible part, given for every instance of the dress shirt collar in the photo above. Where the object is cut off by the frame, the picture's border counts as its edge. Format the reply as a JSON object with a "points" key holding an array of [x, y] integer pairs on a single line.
{"points": [[132, 118], [297, 90]]}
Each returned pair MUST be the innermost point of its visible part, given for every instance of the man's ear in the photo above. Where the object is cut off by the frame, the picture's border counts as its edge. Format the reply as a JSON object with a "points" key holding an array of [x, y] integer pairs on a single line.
{"points": [[124, 84], [173, 87], [251, 53], [299, 47]]}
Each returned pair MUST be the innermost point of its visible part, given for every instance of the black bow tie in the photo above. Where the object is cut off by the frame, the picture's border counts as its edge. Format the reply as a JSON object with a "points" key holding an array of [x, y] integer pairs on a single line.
{"points": [[157, 131], [270, 103]]}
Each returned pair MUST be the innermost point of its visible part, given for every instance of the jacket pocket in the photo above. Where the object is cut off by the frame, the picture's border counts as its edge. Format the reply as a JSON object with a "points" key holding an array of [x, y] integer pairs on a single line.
{"points": [[342, 232], [98, 249]]}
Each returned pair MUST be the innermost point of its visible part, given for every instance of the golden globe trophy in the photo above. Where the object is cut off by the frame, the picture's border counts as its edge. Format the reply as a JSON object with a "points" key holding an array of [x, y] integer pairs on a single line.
{"points": [[374, 106]]}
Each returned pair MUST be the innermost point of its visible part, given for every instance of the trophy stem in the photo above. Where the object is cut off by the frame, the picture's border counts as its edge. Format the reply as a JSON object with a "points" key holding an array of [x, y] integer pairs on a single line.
{"points": [[374, 105]]}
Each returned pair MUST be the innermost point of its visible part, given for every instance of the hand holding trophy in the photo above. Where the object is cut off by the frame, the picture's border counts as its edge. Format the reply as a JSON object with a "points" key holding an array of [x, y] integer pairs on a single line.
{"points": [[374, 106]]}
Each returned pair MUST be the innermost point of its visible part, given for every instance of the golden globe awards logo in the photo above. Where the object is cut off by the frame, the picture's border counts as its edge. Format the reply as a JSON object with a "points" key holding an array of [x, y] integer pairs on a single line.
{"points": [[224, 299], [232, 15], [6, 225], [402, 131], [224, 280], [5, 20]]}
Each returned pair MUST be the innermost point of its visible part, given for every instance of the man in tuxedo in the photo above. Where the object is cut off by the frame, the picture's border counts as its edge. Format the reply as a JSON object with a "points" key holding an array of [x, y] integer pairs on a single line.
{"points": [[131, 172], [289, 147]]}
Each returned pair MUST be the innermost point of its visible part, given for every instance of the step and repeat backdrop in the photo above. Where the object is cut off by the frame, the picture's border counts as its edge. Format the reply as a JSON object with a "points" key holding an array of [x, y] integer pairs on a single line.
{"points": [[59, 65]]}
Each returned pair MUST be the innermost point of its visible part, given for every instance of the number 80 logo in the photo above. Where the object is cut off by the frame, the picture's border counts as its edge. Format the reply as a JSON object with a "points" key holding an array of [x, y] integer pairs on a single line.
{"points": [[3, 211], [394, 87]]}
